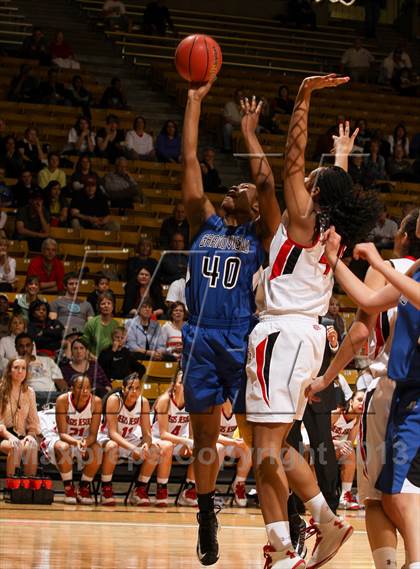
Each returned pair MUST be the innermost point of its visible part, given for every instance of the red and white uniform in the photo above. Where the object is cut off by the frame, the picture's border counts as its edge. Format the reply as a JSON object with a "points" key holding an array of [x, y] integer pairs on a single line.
{"points": [[128, 425], [341, 429], [228, 425], [178, 421], [287, 345]]}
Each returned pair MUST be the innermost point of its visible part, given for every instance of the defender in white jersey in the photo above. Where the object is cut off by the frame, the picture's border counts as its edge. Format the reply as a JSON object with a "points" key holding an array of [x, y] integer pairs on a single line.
{"points": [[73, 437]]}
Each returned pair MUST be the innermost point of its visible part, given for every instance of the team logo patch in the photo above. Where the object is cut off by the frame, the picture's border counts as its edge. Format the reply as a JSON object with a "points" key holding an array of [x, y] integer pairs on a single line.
{"points": [[316, 327]]}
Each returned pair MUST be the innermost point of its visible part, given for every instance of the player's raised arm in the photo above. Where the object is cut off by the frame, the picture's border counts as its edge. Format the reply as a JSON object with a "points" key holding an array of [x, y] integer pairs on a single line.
{"points": [[262, 175], [197, 206], [343, 145]]}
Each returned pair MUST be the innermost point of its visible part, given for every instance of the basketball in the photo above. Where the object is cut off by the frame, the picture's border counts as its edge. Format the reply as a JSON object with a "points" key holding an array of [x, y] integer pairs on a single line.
{"points": [[197, 58]]}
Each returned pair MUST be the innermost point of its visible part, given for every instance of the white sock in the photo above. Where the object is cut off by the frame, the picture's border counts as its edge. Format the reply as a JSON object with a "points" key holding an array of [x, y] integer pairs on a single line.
{"points": [[345, 487], [144, 479], [106, 478], [385, 557], [85, 478], [67, 476], [319, 509], [278, 534], [415, 565], [238, 479], [162, 480], [189, 481]]}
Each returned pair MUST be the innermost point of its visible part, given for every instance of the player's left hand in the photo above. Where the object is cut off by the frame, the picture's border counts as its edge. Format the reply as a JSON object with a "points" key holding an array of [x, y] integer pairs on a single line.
{"points": [[369, 253], [317, 82], [343, 143], [251, 111], [318, 384], [331, 240]]}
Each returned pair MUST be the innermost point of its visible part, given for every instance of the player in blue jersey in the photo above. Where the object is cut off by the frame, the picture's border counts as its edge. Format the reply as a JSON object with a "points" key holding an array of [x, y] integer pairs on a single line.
{"points": [[225, 254]]}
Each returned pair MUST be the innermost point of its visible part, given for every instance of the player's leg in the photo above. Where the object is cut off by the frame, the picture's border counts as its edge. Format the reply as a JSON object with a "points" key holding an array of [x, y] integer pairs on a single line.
{"points": [[188, 495], [109, 462], [30, 457], [14, 455], [163, 471], [244, 456], [382, 535], [140, 493], [404, 511], [62, 456], [92, 462], [348, 469]]}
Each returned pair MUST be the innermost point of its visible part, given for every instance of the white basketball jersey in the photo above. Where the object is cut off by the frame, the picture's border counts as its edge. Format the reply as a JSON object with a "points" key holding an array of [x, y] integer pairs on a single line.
{"points": [[178, 421], [298, 279], [128, 420], [341, 429], [78, 422], [47, 422], [228, 425]]}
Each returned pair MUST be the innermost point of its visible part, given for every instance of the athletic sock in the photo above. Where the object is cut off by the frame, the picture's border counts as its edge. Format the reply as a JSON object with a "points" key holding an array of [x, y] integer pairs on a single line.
{"points": [[106, 478], [159, 486], [385, 557], [206, 502], [85, 478], [238, 479], [162, 481], [414, 565], [67, 478], [278, 534], [143, 479], [345, 487], [319, 509]]}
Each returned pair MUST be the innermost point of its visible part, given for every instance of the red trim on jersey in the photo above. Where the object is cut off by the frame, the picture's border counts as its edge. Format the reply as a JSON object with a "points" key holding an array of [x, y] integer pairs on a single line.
{"points": [[296, 244], [281, 258], [227, 418], [74, 403], [260, 358], [379, 337]]}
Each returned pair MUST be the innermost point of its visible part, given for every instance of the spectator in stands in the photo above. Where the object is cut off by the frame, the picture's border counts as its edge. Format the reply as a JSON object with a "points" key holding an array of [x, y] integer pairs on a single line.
{"points": [[391, 66], [52, 172], [117, 361], [156, 18], [172, 330], [23, 87], [102, 284], [7, 268], [357, 169], [138, 142], [80, 364], [334, 314], [62, 54], [56, 205], [144, 335], [35, 47], [115, 15], [374, 165], [211, 178], [140, 287], [407, 83], [301, 13], [51, 92], [30, 294], [399, 168], [81, 138], [121, 187], [176, 292], [17, 325], [89, 209], [24, 187], [364, 135], [4, 315], [232, 118], [113, 96], [45, 332], [45, 376], [31, 150], [383, 234], [70, 310], [48, 268], [177, 223], [11, 160], [6, 200], [168, 143], [400, 137], [356, 61], [325, 142], [143, 259], [173, 265], [79, 96], [109, 139], [33, 221], [281, 105], [82, 172], [372, 13], [19, 422], [384, 145], [97, 333]]}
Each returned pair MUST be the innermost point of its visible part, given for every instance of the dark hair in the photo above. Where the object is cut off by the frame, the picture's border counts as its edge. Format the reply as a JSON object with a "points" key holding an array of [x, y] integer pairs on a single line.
{"points": [[165, 126], [79, 162], [347, 404], [77, 126], [69, 276], [410, 229], [53, 153], [80, 341], [175, 305], [106, 295], [353, 213], [21, 336], [112, 118], [48, 191], [173, 381], [138, 118], [99, 277], [28, 130], [31, 279], [75, 77], [138, 374], [404, 138], [281, 88], [35, 305], [146, 301]]}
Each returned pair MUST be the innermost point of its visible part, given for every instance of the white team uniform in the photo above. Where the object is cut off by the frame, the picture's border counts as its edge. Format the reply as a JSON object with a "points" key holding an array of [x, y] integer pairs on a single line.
{"points": [[78, 426], [178, 424], [128, 426], [340, 431], [228, 426], [287, 346], [371, 446]]}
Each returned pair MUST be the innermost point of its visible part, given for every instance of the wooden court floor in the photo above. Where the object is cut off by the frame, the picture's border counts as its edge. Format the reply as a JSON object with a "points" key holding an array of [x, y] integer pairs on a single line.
{"points": [[76, 537]]}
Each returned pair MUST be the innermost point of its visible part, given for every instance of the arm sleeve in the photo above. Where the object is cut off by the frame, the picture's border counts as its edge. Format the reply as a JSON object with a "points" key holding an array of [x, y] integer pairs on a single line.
{"points": [[132, 342], [60, 275]]}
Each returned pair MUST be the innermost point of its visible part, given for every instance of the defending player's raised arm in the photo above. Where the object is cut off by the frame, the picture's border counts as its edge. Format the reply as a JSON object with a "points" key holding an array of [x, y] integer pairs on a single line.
{"points": [[343, 145], [262, 175], [197, 206]]}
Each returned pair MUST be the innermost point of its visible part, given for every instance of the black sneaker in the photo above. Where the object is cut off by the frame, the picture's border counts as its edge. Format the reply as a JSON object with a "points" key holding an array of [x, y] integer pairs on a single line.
{"points": [[298, 535], [207, 545]]}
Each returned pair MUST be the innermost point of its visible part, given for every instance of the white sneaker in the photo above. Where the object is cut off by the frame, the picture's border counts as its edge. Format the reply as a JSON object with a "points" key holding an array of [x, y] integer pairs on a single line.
{"points": [[188, 497], [330, 537], [348, 502], [139, 496], [285, 559], [240, 498]]}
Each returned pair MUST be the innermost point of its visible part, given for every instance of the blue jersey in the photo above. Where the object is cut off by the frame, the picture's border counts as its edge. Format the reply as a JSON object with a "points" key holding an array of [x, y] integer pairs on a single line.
{"points": [[404, 358], [222, 262]]}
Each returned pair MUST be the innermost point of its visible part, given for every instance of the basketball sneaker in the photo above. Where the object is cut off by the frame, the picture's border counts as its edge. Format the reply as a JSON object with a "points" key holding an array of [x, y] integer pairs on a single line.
{"points": [[285, 559], [188, 497], [329, 538], [161, 497], [84, 495], [348, 502], [139, 496], [298, 534], [239, 492], [107, 495], [207, 544], [70, 494]]}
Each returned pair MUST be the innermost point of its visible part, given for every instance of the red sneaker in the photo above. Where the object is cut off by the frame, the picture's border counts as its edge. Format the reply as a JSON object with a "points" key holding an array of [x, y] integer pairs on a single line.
{"points": [[70, 494], [139, 496], [188, 497], [161, 497], [348, 502], [286, 559], [107, 495], [330, 537], [240, 498], [84, 495]]}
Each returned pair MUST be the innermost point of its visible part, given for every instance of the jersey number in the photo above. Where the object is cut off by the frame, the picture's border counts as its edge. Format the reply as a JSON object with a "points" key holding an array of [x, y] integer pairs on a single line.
{"points": [[126, 431], [75, 432], [231, 270]]}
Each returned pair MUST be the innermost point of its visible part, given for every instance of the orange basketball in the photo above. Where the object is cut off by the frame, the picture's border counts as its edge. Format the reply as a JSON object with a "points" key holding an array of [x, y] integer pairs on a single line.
{"points": [[197, 58]]}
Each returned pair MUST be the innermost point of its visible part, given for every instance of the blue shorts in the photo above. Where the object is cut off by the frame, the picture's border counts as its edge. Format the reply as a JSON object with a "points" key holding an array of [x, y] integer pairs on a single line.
{"points": [[214, 364], [401, 471]]}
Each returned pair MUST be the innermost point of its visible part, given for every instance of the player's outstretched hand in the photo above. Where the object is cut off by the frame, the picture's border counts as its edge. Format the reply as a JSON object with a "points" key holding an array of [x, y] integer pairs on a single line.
{"points": [[197, 91], [331, 240], [251, 111], [318, 82], [343, 143], [318, 384], [368, 252]]}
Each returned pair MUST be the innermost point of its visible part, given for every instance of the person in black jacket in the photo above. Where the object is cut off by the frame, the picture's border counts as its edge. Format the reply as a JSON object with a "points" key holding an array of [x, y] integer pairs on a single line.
{"points": [[46, 333], [177, 223], [140, 287], [117, 361]]}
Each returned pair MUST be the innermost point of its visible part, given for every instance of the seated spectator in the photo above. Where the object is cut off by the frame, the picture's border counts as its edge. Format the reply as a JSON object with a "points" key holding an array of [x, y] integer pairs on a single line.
{"points": [[7, 268], [23, 87], [232, 118], [35, 47], [109, 139], [89, 209], [364, 135], [24, 187], [357, 169], [168, 143], [97, 333], [33, 221], [282, 104], [156, 18], [69, 310], [176, 292], [48, 268], [115, 15], [45, 376], [82, 172], [17, 325], [30, 294], [31, 151], [383, 234], [139, 143], [19, 423], [51, 91], [79, 96], [113, 96], [80, 364], [144, 335], [301, 13], [357, 61], [121, 187], [52, 172], [399, 168], [4, 315], [143, 259], [407, 83], [6, 198], [172, 330], [384, 145], [177, 223], [102, 283], [62, 54], [334, 314], [117, 360], [400, 137], [173, 265], [140, 287], [11, 160], [81, 138], [211, 178], [374, 165], [46, 333], [391, 66], [56, 205]]}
